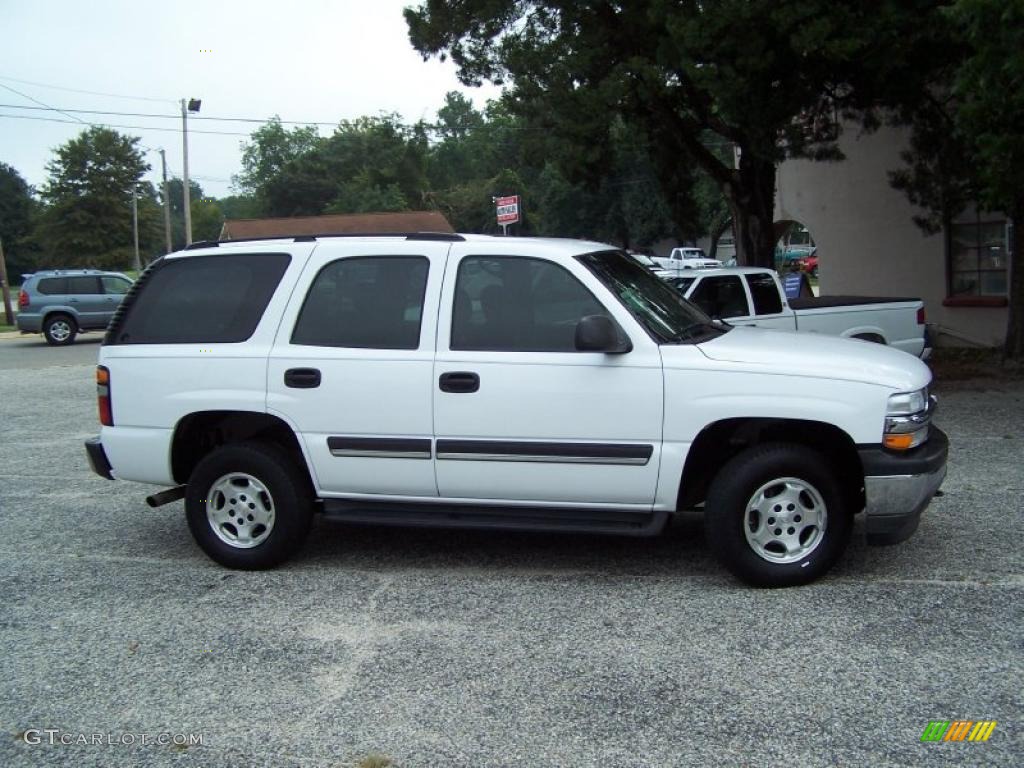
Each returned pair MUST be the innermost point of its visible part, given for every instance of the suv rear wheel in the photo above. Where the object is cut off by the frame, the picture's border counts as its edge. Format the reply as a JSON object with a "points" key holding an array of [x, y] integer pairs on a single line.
{"points": [[248, 506], [59, 330], [775, 516]]}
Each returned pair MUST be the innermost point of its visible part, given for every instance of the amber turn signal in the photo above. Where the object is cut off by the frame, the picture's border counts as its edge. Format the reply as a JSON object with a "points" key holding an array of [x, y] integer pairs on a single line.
{"points": [[899, 442]]}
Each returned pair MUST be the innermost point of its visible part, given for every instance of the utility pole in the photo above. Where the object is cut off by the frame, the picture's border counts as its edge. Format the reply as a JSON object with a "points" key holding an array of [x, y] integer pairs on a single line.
{"points": [[184, 144], [167, 203], [192, 105], [135, 227], [8, 312]]}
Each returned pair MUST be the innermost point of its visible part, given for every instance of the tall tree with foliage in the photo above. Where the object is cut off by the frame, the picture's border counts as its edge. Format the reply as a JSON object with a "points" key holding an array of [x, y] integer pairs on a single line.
{"points": [[968, 145], [16, 207], [372, 163], [270, 148], [768, 76], [88, 218]]}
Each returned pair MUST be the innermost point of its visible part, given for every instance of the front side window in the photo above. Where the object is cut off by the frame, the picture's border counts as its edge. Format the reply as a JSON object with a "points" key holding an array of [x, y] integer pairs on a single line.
{"points": [[200, 299], [518, 304], [721, 297], [978, 259], [764, 293], [117, 286], [373, 302], [662, 311]]}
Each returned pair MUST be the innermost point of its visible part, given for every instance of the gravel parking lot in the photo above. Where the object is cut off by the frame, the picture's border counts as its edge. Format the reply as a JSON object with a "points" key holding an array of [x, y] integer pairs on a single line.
{"points": [[471, 649]]}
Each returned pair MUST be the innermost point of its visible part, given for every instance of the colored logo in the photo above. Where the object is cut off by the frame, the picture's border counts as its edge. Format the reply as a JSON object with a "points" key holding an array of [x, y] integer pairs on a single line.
{"points": [[958, 730]]}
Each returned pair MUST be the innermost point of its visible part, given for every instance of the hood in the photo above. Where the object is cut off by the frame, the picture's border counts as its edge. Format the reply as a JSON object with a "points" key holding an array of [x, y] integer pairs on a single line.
{"points": [[816, 355]]}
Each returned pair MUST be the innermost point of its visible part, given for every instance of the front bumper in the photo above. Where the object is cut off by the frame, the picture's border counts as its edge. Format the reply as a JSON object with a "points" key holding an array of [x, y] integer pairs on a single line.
{"points": [[898, 487], [98, 461]]}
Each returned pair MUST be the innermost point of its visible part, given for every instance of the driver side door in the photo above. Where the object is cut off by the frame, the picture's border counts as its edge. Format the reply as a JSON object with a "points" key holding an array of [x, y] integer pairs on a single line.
{"points": [[519, 414]]}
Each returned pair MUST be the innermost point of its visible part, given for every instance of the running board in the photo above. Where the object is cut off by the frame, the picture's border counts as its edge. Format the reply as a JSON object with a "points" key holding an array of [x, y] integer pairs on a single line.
{"points": [[621, 522]]}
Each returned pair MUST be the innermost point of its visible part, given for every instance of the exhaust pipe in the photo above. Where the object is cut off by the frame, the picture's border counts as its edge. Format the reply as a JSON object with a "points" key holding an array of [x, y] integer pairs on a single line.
{"points": [[166, 497]]}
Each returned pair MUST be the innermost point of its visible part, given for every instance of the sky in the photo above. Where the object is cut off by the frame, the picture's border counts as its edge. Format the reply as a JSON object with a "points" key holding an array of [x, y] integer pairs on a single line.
{"points": [[303, 60]]}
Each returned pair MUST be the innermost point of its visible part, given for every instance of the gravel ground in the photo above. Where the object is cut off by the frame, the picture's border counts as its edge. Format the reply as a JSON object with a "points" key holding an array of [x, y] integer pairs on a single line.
{"points": [[472, 649]]}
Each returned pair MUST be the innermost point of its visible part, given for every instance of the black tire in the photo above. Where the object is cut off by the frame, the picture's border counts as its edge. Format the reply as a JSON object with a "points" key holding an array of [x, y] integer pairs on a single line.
{"points": [[729, 524], [60, 330], [290, 504]]}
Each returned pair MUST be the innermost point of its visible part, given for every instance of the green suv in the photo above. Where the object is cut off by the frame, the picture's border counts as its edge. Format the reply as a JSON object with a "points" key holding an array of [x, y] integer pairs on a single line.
{"points": [[60, 304]]}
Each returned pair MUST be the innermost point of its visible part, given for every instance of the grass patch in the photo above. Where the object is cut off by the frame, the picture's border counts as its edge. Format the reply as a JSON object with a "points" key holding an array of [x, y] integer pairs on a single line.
{"points": [[375, 761]]}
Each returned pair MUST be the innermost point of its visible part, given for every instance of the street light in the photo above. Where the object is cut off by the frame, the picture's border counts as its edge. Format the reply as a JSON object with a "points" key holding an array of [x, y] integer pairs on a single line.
{"points": [[191, 106]]}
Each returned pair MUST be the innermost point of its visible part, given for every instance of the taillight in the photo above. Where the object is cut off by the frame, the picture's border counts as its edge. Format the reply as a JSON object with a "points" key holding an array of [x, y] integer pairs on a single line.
{"points": [[103, 396], [22, 299], [920, 316]]}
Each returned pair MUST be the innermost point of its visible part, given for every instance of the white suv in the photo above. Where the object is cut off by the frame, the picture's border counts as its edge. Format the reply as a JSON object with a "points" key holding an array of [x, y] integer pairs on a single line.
{"points": [[500, 382]]}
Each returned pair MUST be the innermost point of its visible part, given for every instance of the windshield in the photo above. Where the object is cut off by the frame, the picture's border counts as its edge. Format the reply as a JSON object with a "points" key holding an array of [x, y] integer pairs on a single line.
{"points": [[659, 308]]}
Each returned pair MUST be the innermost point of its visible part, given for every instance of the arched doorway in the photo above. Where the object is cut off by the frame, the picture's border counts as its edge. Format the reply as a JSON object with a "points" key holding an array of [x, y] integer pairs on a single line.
{"points": [[795, 249]]}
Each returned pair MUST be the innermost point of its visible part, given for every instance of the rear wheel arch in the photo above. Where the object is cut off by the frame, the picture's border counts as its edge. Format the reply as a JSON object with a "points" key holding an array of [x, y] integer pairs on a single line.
{"points": [[722, 440], [876, 338], [198, 434]]}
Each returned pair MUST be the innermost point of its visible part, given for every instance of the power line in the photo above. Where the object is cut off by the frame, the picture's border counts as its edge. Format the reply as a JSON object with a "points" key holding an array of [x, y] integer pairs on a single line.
{"points": [[167, 117], [114, 125], [91, 93], [37, 101]]}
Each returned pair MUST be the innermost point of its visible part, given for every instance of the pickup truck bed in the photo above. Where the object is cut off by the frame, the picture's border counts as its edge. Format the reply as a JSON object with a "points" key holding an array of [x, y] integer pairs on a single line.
{"points": [[822, 302]]}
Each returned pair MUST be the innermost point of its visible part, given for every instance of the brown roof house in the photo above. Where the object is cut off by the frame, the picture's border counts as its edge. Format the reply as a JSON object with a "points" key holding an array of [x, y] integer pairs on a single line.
{"points": [[337, 224]]}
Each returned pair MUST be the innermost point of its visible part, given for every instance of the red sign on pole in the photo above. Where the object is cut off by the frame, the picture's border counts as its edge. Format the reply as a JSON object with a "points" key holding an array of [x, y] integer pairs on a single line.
{"points": [[508, 209]]}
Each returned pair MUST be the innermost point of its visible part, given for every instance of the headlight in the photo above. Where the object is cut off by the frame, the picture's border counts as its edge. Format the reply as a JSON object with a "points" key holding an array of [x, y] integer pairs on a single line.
{"points": [[906, 403], [907, 417]]}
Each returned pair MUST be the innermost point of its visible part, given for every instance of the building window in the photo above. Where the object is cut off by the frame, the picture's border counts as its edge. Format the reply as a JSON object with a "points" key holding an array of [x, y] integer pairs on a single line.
{"points": [[978, 257]]}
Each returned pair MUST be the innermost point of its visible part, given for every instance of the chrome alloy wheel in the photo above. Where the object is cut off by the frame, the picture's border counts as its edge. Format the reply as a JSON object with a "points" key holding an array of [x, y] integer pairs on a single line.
{"points": [[60, 330], [785, 520], [240, 510]]}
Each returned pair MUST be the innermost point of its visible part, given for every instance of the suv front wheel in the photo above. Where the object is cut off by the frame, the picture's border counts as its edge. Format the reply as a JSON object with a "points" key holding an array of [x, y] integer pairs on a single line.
{"points": [[248, 506], [59, 330], [775, 516]]}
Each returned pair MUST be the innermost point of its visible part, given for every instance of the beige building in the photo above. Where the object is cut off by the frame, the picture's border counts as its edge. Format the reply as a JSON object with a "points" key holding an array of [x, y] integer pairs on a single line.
{"points": [[868, 243]]}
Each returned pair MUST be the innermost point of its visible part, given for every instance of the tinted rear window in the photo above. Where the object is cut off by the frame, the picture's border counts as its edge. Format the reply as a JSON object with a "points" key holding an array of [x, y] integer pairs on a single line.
{"points": [[373, 302], [53, 286], [83, 286], [202, 299]]}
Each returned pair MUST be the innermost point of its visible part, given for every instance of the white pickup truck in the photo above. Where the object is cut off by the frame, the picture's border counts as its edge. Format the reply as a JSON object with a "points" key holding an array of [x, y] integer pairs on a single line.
{"points": [[498, 382], [686, 257], [755, 297]]}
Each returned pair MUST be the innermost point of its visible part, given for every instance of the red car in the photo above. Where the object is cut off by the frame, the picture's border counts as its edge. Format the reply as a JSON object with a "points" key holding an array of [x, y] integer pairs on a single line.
{"points": [[809, 264]]}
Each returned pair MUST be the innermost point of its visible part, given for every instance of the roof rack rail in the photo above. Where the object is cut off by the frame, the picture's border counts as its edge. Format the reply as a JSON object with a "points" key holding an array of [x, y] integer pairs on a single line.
{"points": [[449, 237]]}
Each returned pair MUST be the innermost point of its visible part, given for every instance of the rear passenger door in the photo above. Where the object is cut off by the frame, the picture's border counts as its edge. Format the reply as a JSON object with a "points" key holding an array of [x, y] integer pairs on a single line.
{"points": [[352, 365], [86, 297]]}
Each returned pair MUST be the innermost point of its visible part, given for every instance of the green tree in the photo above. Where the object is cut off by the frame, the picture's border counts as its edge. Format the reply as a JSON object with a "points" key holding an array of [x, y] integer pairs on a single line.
{"points": [[88, 219], [16, 208], [377, 156], [270, 148], [967, 145], [768, 76]]}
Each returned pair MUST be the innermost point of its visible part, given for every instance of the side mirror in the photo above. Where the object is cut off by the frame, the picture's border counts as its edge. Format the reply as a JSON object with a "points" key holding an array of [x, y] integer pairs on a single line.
{"points": [[597, 333]]}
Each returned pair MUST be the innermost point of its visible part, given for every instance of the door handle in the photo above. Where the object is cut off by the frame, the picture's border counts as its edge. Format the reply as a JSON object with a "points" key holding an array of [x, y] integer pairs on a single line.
{"points": [[302, 378], [459, 381]]}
